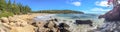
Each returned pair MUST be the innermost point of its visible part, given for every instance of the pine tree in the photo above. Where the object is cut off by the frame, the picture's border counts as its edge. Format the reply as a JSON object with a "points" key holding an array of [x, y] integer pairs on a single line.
{"points": [[2, 5], [9, 6]]}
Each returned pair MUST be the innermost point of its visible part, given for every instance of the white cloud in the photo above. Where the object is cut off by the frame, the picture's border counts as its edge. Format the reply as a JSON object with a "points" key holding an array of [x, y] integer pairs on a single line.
{"points": [[101, 3], [76, 3], [97, 10], [100, 10]]}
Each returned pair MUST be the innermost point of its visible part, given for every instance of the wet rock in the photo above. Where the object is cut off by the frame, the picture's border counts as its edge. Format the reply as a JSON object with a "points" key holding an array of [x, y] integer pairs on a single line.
{"points": [[51, 31], [34, 24], [89, 22], [63, 27], [56, 19], [64, 30], [109, 27]]}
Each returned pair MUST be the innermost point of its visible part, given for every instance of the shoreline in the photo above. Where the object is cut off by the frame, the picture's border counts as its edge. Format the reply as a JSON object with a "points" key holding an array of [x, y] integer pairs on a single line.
{"points": [[17, 23]]}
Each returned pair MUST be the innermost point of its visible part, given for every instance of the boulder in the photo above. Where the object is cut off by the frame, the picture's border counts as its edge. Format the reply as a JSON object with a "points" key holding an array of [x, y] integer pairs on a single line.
{"points": [[11, 19], [113, 26], [55, 19], [6, 25], [64, 30], [42, 29], [40, 24], [89, 22], [112, 15], [63, 27], [4, 20], [51, 24], [12, 24], [24, 23]]}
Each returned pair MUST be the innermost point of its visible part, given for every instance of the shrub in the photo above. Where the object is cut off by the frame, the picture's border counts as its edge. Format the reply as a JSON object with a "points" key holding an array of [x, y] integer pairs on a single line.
{"points": [[6, 14]]}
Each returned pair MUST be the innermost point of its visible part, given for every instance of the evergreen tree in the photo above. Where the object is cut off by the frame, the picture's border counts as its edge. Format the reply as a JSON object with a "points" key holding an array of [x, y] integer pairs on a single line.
{"points": [[8, 8], [2, 5]]}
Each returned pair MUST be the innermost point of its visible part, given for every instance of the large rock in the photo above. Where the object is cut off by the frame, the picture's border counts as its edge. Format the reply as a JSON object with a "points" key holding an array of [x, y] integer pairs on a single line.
{"points": [[112, 15], [112, 21], [48, 26], [51, 24], [89, 22], [109, 27], [63, 27], [4, 20], [42, 29]]}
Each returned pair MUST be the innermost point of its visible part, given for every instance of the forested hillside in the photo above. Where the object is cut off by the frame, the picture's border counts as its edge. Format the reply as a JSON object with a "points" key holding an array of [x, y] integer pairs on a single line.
{"points": [[59, 11], [8, 8]]}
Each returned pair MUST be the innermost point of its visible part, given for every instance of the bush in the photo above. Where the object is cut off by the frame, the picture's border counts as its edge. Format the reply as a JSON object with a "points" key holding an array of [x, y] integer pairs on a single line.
{"points": [[6, 14]]}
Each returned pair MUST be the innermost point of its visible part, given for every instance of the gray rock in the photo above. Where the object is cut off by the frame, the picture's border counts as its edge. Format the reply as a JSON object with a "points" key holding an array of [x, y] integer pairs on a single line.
{"points": [[112, 15], [63, 27], [113, 26], [89, 22]]}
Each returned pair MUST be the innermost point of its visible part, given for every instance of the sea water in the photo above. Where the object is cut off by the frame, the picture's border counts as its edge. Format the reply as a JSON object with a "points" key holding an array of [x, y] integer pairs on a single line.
{"points": [[70, 19]]}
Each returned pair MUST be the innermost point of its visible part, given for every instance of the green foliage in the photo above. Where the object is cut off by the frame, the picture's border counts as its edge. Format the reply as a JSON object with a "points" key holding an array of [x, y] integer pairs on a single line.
{"points": [[6, 14], [8, 8], [2, 5], [59, 11]]}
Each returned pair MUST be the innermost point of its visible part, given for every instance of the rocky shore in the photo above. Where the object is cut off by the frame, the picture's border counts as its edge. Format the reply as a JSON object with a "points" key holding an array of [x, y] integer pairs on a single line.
{"points": [[111, 22], [109, 27], [25, 23]]}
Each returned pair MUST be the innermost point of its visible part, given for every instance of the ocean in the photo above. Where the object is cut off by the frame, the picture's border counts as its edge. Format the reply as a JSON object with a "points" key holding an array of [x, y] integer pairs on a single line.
{"points": [[70, 19], [80, 28]]}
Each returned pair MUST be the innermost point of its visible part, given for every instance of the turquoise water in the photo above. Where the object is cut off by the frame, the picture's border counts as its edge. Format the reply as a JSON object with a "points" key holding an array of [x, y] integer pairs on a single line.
{"points": [[78, 16], [80, 28], [70, 19]]}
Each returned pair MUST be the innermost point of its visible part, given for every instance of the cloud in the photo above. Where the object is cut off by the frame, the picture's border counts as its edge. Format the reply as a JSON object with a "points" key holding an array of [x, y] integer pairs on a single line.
{"points": [[100, 10], [101, 3], [76, 3], [97, 10]]}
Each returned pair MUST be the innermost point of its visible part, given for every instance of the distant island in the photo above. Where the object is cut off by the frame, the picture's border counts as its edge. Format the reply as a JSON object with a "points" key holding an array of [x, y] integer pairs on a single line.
{"points": [[59, 11]]}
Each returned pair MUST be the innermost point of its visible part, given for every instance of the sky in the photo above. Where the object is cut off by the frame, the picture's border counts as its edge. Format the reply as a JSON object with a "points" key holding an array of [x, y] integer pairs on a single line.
{"points": [[86, 6]]}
